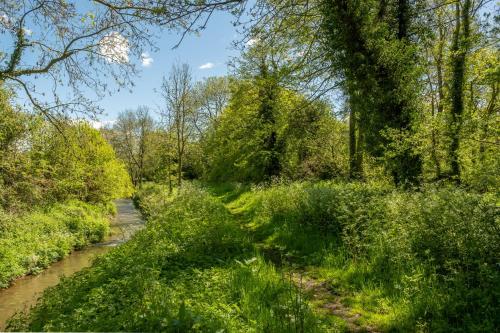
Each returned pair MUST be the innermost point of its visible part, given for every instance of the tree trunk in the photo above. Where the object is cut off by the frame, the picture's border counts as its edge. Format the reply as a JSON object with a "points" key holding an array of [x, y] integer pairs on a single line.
{"points": [[359, 152], [352, 144], [179, 172], [408, 165], [179, 158], [355, 142], [434, 156], [459, 53], [169, 172], [489, 111], [439, 67]]}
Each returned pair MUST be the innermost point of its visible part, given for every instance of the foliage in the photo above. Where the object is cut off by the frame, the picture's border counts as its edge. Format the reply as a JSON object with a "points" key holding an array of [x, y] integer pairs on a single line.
{"points": [[191, 269], [41, 164], [31, 242], [82, 165], [91, 47], [407, 261], [306, 138], [426, 259], [368, 44], [136, 143]]}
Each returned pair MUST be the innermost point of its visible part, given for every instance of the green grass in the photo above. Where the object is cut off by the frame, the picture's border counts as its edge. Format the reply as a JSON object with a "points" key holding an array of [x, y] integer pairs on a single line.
{"points": [[191, 269], [220, 258], [405, 261], [31, 242]]}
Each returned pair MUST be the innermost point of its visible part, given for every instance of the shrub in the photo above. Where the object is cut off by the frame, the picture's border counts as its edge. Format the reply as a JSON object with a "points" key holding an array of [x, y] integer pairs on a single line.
{"points": [[433, 252]]}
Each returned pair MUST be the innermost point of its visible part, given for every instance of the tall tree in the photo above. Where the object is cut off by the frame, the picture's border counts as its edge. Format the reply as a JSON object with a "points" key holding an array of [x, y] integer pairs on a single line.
{"points": [[177, 91], [368, 43], [459, 52], [268, 91]]}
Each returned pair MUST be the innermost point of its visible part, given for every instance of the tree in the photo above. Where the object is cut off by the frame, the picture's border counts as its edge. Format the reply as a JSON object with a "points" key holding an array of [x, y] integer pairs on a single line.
{"points": [[131, 137], [355, 140], [212, 95], [180, 104], [308, 141], [369, 44], [40, 166], [81, 164], [459, 49]]}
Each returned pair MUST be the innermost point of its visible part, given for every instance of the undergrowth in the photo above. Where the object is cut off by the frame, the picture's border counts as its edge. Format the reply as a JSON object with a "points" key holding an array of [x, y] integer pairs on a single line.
{"points": [[31, 242], [217, 258], [191, 269], [406, 261]]}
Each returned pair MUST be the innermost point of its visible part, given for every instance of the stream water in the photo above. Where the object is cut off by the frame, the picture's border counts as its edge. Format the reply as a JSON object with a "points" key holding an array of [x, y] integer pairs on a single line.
{"points": [[24, 292]]}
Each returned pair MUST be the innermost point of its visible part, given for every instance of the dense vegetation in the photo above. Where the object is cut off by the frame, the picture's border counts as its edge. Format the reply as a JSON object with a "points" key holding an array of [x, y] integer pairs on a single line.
{"points": [[239, 259], [56, 188], [198, 272], [31, 241], [343, 176]]}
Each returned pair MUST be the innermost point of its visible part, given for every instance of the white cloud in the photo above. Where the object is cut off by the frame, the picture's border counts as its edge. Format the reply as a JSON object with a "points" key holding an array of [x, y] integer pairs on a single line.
{"points": [[101, 124], [114, 47], [27, 32], [5, 20], [146, 59], [208, 65], [251, 41]]}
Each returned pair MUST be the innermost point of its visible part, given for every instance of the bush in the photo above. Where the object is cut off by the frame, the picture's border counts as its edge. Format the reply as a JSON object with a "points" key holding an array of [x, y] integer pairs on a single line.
{"points": [[31, 242], [425, 260]]}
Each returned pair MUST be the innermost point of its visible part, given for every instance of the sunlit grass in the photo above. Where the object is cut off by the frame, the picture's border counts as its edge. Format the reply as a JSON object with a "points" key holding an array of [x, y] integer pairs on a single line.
{"points": [[301, 257]]}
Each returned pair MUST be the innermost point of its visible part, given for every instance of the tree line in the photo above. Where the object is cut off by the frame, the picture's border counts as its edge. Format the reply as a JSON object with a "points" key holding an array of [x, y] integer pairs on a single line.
{"points": [[398, 90], [415, 82]]}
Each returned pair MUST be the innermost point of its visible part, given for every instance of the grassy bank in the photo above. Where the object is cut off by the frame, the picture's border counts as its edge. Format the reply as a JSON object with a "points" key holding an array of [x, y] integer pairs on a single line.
{"points": [[191, 269], [31, 242], [292, 258], [399, 261]]}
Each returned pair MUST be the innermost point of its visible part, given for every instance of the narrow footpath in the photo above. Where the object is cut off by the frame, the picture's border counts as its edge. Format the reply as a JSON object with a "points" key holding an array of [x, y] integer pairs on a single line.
{"points": [[24, 292]]}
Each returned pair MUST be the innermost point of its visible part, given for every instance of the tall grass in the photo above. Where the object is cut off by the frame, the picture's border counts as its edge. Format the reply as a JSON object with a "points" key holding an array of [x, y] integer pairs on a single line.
{"points": [[191, 269], [425, 260], [219, 259]]}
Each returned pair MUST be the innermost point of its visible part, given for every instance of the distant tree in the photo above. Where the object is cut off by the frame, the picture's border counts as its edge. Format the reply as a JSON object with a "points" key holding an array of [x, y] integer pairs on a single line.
{"points": [[211, 95], [80, 164], [180, 104], [131, 137]]}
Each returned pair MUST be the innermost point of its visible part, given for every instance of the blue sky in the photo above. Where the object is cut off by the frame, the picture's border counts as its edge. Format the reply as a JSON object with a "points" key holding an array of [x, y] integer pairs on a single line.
{"points": [[207, 53], [212, 47]]}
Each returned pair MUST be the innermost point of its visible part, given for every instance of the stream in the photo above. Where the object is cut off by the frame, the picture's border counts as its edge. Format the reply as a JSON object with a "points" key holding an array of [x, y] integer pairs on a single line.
{"points": [[24, 292]]}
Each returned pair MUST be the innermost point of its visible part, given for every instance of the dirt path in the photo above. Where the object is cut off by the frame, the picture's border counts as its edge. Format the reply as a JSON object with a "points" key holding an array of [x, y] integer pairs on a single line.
{"points": [[25, 291], [323, 298], [328, 301]]}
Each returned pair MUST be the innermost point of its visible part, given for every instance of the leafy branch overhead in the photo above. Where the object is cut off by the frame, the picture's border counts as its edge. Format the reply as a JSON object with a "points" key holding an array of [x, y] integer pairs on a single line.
{"points": [[87, 44]]}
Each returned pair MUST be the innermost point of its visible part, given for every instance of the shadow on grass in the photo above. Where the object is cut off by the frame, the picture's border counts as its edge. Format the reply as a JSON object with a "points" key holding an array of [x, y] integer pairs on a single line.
{"points": [[226, 192]]}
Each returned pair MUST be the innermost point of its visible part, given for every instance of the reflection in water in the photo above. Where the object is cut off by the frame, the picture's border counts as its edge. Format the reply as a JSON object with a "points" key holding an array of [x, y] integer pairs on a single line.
{"points": [[25, 291]]}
